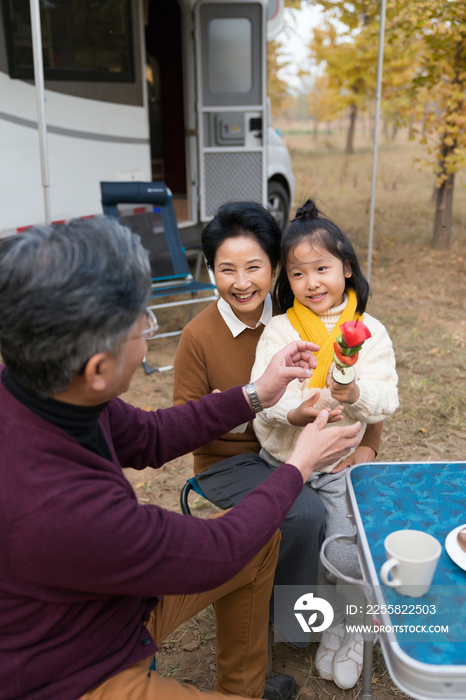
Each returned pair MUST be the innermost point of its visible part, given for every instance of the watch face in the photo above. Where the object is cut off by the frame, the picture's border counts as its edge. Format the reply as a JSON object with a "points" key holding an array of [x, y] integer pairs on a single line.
{"points": [[343, 375]]}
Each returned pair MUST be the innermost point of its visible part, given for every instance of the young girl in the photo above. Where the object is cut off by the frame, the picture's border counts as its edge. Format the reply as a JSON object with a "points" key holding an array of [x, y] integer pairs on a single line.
{"points": [[321, 286]]}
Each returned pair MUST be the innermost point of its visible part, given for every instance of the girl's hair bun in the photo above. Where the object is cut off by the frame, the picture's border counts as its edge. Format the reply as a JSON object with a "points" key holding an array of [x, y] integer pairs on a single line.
{"points": [[308, 211]]}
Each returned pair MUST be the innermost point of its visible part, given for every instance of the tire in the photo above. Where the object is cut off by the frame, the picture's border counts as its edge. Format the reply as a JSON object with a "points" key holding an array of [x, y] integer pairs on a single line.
{"points": [[278, 203]]}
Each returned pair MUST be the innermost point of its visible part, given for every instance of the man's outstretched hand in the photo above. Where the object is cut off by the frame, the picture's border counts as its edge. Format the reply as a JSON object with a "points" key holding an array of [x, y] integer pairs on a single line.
{"points": [[316, 447], [296, 361]]}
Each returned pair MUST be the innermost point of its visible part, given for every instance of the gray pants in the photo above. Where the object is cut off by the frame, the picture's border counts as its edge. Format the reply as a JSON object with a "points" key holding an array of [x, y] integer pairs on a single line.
{"points": [[228, 481], [332, 490]]}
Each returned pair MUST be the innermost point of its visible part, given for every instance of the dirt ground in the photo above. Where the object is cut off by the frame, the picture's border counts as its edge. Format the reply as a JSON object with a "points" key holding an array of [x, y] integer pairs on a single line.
{"points": [[419, 294]]}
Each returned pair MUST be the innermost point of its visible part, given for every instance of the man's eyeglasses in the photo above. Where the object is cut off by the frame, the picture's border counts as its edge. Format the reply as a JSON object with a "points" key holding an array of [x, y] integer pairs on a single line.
{"points": [[150, 331]]}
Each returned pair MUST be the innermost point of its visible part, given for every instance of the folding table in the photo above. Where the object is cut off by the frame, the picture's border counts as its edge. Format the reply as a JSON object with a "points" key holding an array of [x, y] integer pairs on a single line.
{"points": [[427, 496]]}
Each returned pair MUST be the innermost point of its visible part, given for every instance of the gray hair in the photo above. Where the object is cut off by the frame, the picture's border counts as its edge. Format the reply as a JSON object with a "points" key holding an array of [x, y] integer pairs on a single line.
{"points": [[67, 292]]}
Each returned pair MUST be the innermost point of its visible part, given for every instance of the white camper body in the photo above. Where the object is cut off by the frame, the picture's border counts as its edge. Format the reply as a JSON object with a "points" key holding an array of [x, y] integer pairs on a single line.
{"points": [[179, 96]]}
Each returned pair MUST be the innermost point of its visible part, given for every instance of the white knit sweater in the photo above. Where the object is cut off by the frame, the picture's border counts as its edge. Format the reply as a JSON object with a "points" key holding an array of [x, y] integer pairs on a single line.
{"points": [[375, 374]]}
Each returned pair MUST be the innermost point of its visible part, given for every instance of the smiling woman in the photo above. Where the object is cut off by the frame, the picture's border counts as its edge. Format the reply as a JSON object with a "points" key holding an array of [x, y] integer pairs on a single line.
{"points": [[217, 351], [243, 271], [217, 348]]}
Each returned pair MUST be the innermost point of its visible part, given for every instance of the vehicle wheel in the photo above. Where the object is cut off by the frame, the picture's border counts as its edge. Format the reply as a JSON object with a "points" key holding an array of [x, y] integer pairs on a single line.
{"points": [[278, 203]]}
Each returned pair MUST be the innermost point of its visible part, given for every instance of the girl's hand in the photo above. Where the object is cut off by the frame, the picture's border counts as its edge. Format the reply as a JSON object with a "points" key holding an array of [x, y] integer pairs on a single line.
{"points": [[360, 455], [348, 393], [306, 413]]}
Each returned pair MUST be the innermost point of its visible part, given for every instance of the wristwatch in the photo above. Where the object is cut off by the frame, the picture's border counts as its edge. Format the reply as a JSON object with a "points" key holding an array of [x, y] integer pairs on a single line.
{"points": [[251, 391]]}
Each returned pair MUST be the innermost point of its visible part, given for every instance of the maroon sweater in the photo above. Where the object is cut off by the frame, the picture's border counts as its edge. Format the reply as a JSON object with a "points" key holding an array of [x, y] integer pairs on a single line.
{"points": [[82, 564]]}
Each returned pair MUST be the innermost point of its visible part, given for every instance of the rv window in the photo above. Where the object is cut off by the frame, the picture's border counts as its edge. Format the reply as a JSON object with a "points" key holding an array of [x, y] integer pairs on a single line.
{"points": [[230, 55], [81, 39]]}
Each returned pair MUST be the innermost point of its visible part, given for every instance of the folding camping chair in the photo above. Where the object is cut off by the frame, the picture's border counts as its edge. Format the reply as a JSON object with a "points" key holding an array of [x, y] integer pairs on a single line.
{"points": [[161, 236], [191, 484]]}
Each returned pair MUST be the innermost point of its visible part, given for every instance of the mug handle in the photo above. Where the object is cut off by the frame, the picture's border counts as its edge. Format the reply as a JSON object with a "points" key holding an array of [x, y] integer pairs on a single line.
{"points": [[385, 570]]}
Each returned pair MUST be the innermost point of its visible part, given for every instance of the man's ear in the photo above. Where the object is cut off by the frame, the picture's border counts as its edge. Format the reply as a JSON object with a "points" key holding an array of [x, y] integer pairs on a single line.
{"points": [[99, 371]]}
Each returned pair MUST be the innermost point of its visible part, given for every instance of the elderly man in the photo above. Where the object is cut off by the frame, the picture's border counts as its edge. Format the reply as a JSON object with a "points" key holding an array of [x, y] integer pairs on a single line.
{"points": [[90, 581]]}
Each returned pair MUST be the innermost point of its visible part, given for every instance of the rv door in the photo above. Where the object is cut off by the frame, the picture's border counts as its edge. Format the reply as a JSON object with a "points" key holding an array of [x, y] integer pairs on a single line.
{"points": [[231, 102]]}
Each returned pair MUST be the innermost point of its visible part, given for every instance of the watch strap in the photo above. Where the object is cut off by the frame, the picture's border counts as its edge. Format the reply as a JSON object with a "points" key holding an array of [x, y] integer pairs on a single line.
{"points": [[251, 391]]}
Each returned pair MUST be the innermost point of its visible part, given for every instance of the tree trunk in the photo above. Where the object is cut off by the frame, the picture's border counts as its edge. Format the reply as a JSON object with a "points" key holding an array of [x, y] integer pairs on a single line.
{"points": [[443, 215], [410, 128], [394, 131], [385, 127], [350, 136], [315, 127]]}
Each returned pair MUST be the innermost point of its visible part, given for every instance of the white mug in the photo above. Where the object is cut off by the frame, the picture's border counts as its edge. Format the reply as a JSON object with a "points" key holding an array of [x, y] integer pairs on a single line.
{"points": [[413, 557]]}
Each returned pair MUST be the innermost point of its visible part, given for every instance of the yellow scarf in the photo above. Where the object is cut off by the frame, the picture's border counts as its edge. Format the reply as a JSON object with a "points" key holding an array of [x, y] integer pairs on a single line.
{"points": [[311, 329]]}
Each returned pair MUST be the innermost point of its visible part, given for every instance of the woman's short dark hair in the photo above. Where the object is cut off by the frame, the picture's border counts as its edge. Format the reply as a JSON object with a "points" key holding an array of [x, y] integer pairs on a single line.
{"points": [[309, 225], [242, 219]]}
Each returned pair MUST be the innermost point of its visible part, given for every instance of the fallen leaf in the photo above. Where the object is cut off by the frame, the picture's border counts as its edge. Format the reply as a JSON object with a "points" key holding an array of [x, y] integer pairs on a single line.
{"points": [[147, 408], [434, 351], [422, 430]]}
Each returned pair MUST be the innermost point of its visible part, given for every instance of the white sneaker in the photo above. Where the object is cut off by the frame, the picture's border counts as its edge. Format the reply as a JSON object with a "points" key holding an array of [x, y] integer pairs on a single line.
{"points": [[331, 641], [348, 660]]}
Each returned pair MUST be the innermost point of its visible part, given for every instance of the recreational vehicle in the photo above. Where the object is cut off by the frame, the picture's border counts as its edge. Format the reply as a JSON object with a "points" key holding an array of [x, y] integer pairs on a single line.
{"points": [[171, 90]]}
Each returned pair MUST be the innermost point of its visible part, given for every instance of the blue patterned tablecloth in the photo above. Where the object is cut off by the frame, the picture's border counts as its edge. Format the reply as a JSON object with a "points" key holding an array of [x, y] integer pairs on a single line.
{"points": [[429, 497]]}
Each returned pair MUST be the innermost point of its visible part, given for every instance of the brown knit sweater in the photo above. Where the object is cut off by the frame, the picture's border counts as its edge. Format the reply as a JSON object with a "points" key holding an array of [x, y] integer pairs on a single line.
{"points": [[208, 358]]}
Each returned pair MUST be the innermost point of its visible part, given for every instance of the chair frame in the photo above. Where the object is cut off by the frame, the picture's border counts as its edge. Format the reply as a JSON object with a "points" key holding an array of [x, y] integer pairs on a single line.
{"points": [[191, 484]]}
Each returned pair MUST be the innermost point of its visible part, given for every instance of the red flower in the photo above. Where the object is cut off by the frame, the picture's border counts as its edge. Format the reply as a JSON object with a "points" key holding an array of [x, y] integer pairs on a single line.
{"points": [[354, 333]]}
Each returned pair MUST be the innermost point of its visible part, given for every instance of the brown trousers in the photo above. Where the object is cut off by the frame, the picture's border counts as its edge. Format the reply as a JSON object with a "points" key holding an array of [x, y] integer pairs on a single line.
{"points": [[242, 615]]}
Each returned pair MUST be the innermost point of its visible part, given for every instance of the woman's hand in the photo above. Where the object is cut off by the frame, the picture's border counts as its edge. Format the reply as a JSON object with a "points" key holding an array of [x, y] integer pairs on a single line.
{"points": [[306, 413], [316, 447], [344, 393], [360, 455], [296, 361]]}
